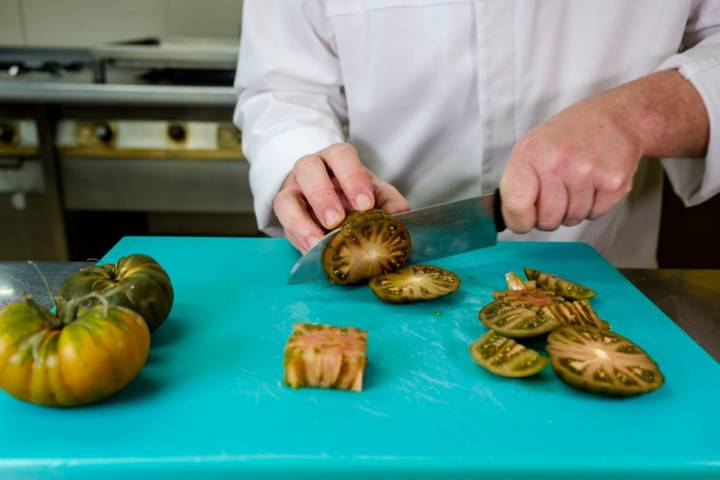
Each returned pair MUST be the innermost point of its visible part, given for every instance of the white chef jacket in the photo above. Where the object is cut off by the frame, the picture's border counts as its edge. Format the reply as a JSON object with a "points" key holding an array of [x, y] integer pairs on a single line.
{"points": [[437, 92]]}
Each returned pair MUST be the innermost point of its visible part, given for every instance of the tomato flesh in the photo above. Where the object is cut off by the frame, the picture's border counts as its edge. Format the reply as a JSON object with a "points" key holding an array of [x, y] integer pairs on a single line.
{"points": [[602, 362], [559, 285], [515, 321], [505, 357], [415, 283], [368, 244], [578, 312], [326, 357]]}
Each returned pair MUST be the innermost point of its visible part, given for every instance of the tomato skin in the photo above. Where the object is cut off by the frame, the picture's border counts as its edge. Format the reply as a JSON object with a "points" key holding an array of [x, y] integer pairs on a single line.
{"points": [[137, 282], [47, 363]]}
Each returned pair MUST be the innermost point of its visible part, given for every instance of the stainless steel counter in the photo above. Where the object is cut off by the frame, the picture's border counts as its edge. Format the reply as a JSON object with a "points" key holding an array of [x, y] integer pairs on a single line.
{"points": [[18, 279], [103, 94], [690, 297]]}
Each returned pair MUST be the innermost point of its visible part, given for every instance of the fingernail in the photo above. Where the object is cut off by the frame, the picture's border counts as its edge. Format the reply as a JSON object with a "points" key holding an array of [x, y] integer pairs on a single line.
{"points": [[363, 202], [571, 223], [332, 217], [311, 240]]}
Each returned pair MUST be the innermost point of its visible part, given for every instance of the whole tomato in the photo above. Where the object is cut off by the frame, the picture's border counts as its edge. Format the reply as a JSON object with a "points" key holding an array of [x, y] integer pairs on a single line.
{"points": [[137, 282], [49, 361]]}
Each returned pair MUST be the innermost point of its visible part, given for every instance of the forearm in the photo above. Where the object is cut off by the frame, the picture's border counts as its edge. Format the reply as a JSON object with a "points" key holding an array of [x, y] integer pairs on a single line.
{"points": [[664, 113]]}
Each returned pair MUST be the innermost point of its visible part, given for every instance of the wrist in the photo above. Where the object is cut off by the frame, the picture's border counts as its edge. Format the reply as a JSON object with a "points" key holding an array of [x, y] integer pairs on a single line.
{"points": [[663, 114]]}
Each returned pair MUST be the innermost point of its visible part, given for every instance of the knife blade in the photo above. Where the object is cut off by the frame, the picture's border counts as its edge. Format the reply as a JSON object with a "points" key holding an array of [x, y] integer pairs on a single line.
{"points": [[436, 231]]}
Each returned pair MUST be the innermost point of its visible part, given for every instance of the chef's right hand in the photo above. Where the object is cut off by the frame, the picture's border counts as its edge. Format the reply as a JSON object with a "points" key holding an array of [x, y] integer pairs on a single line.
{"points": [[323, 187]]}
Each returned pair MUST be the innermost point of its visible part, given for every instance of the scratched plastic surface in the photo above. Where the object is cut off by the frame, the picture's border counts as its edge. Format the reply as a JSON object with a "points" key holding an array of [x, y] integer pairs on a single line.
{"points": [[210, 401]]}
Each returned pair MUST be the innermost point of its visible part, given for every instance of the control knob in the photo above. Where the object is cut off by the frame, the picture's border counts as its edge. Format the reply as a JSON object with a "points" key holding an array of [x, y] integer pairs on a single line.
{"points": [[177, 132], [8, 133]]}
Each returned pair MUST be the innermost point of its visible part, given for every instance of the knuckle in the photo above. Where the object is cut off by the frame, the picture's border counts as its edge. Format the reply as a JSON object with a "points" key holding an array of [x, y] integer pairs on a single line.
{"points": [[358, 179], [562, 160], [614, 182], [581, 173], [545, 154], [341, 150], [515, 204], [294, 226], [280, 199], [304, 161], [530, 145], [321, 194]]}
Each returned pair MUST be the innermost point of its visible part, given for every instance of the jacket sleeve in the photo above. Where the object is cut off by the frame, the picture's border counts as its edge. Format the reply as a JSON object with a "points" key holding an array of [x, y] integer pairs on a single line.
{"points": [[290, 100], [695, 180]]}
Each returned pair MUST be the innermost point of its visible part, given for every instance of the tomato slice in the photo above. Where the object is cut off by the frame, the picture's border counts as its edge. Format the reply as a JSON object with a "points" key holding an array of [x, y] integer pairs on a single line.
{"points": [[559, 285], [602, 362], [368, 244], [514, 282], [415, 283], [578, 312], [516, 321], [504, 356], [528, 298], [325, 356]]}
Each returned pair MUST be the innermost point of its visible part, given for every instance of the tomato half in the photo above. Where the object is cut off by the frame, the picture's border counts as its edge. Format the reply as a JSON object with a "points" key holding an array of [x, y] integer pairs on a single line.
{"points": [[368, 244]]}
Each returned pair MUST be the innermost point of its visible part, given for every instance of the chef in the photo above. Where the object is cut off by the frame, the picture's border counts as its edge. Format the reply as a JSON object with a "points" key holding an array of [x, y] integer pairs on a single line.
{"points": [[573, 108]]}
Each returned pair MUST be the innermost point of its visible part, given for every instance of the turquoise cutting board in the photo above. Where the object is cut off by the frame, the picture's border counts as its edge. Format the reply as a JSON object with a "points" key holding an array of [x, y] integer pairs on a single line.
{"points": [[211, 404]]}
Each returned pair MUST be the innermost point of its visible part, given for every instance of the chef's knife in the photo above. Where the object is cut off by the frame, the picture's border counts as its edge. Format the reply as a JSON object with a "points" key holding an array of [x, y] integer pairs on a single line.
{"points": [[436, 231]]}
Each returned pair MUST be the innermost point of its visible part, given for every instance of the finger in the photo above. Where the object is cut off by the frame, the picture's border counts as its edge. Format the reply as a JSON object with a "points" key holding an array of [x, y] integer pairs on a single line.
{"points": [[519, 189], [354, 178], [580, 204], [292, 213], [552, 202], [388, 198], [317, 187], [604, 202]]}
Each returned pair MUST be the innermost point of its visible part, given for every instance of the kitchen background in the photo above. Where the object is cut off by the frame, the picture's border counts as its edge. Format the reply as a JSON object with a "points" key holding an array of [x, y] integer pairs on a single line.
{"points": [[89, 22], [115, 119]]}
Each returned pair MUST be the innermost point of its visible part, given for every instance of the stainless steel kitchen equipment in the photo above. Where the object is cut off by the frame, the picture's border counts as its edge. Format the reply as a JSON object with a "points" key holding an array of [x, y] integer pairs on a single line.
{"points": [[135, 137]]}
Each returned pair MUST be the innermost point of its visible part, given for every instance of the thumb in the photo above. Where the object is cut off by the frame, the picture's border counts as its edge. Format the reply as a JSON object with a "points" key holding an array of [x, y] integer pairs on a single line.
{"points": [[519, 188], [388, 198]]}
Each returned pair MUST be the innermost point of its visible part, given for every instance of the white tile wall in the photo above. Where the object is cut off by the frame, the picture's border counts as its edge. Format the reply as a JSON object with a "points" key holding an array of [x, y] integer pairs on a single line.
{"points": [[210, 18], [10, 24], [88, 22]]}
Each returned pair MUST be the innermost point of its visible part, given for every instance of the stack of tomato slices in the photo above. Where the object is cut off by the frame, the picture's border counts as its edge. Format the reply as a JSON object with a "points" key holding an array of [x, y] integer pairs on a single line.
{"points": [[584, 353]]}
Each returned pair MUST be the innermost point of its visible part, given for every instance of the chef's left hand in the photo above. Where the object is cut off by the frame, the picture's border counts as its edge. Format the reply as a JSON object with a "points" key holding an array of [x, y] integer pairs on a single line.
{"points": [[579, 163]]}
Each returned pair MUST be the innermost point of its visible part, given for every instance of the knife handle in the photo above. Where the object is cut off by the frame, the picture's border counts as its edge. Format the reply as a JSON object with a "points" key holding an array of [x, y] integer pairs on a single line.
{"points": [[497, 212]]}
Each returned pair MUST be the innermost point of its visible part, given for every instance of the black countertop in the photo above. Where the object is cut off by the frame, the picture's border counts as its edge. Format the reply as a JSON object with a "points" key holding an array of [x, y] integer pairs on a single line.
{"points": [[690, 297]]}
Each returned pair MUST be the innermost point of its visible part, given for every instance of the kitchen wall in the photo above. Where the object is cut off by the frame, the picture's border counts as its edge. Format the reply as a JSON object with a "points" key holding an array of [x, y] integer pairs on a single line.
{"points": [[89, 22]]}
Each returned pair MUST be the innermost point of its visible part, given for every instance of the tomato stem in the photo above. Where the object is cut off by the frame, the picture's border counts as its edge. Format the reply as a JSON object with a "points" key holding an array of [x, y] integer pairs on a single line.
{"points": [[42, 312], [45, 282], [70, 309]]}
